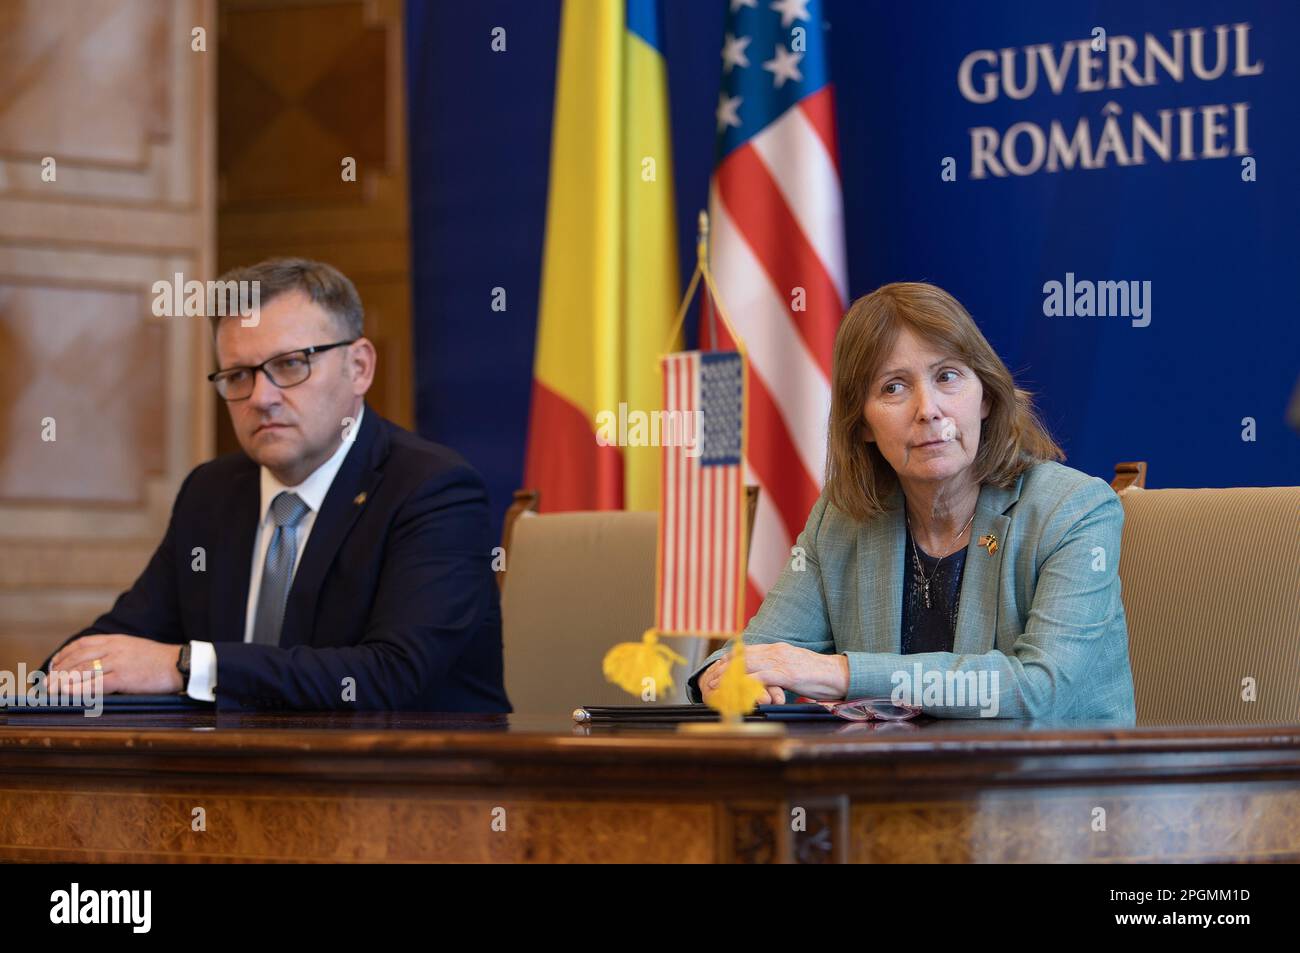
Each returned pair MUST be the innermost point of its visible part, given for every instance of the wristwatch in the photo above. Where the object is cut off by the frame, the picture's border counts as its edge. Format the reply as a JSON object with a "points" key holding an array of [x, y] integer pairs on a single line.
{"points": [[183, 663]]}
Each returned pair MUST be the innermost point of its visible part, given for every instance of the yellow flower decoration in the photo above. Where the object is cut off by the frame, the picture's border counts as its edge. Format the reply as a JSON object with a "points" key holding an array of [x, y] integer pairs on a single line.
{"points": [[738, 691], [629, 664]]}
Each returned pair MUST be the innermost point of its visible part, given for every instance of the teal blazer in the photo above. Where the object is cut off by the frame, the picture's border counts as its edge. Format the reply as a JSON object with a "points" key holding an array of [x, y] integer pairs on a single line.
{"points": [[1043, 611]]}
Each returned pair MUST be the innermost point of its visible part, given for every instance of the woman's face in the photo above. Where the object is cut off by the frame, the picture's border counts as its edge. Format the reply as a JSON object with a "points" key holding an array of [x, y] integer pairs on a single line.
{"points": [[921, 396]]}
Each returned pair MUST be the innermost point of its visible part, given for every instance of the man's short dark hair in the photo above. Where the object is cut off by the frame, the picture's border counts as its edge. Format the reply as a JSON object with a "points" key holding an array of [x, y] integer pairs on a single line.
{"points": [[324, 284]]}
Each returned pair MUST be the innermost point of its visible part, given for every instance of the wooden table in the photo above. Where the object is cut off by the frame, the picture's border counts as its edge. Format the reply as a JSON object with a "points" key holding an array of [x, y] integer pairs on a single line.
{"points": [[420, 787]]}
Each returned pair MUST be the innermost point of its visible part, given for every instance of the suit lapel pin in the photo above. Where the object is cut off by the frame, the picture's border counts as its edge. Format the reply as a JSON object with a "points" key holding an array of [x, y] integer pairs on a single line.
{"points": [[989, 542], [359, 498]]}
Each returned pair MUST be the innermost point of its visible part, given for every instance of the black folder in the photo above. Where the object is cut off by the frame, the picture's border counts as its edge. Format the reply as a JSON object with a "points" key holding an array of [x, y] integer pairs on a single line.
{"points": [[114, 704], [637, 714]]}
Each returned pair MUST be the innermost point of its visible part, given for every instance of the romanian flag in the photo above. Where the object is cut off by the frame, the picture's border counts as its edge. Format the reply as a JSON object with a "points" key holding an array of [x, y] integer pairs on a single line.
{"points": [[610, 284]]}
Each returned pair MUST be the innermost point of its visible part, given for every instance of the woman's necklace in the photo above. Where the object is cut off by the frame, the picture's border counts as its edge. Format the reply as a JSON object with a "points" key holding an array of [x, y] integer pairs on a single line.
{"points": [[917, 558]]}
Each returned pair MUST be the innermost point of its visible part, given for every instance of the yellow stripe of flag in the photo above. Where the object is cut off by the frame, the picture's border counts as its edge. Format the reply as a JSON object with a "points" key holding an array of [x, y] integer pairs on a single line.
{"points": [[610, 282]]}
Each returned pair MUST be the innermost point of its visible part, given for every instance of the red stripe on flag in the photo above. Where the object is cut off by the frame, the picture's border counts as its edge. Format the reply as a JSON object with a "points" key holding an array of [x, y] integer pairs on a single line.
{"points": [[672, 515], [728, 544], [728, 566], [736, 519], [773, 456], [664, 581], [725, 542], [753, 599], [709, 537], [819, 108], [759, 211], [692, 515], [683, 494]]}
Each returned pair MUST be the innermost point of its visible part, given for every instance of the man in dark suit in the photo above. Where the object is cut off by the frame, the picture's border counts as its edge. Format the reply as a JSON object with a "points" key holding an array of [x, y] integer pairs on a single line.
{"points": [[339, 562]]}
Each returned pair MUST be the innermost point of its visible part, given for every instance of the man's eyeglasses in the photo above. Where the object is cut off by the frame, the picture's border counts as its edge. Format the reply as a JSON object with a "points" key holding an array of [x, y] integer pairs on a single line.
{"points": [[283, 370]]}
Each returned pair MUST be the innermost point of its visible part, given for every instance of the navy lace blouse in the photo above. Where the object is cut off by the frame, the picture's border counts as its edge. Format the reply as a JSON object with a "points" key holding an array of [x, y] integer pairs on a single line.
{"points": [[930, 629]]}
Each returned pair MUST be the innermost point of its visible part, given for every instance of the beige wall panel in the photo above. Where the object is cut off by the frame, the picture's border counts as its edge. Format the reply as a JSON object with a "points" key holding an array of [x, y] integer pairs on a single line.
{"points": [[114, 92]]}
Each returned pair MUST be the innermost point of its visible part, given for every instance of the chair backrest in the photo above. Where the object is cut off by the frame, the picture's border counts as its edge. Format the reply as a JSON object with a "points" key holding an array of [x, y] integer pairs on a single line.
{"points": [[1129, 474], [1210, 580], [578, 584]]}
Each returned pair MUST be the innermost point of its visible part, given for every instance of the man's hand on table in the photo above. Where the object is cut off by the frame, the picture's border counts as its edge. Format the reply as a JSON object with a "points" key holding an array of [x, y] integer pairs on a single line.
{"points": [[131, 665], [782, 668]]}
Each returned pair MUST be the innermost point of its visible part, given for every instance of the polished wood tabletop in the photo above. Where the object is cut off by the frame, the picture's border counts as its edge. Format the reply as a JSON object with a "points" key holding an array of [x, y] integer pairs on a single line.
{"points": [[417, 786]]}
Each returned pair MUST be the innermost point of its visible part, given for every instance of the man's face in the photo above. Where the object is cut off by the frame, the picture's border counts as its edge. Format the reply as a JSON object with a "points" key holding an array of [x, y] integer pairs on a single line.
{"points": [[292, 431], [921, 396]]}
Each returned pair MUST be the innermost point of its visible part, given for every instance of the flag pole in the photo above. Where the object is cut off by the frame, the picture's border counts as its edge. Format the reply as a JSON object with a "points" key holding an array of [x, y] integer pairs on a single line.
{"points": [[707, 303]]}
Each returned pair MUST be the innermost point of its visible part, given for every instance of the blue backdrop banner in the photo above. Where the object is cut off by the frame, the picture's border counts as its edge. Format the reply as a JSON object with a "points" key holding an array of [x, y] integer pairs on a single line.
{"points": [[1110, 188]]}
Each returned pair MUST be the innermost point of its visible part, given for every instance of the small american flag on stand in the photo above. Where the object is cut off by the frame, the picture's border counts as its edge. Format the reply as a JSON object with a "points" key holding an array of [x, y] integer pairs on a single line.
{"points": [[703, 533], [702, 515]]}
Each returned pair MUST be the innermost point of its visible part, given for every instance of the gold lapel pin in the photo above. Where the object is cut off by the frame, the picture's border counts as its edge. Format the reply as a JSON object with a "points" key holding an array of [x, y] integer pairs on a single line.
{"points": [[359, 498], [989, 542]]}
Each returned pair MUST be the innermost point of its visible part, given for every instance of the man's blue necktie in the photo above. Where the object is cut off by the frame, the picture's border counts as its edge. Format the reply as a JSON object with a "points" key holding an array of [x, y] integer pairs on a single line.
{"points": [[287, 510]]}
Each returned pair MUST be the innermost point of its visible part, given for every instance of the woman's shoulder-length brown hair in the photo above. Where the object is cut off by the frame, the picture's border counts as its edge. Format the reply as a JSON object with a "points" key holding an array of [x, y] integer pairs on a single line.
{"points": [[859, 480]]}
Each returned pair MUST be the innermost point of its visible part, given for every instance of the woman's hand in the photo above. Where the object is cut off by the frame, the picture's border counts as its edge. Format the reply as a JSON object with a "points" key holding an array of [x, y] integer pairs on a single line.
{"points": [[783, 667], [709, 683]]}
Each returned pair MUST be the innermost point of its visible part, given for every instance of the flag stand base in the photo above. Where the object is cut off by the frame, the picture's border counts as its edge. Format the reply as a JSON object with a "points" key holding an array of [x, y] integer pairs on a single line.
{"points": [[750, 728]]}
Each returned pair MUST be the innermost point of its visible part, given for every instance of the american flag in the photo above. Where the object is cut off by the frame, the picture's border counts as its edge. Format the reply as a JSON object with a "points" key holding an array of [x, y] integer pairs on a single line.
{"points": [[778, 256], [701, 516]]}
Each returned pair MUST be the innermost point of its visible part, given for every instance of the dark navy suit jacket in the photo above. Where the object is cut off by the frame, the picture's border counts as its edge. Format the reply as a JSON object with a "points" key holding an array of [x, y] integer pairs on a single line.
{"points": [[394, 589]]}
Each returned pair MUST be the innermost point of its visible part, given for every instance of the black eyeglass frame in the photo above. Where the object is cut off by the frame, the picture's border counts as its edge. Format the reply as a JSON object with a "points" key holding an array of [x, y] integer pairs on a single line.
{"points": [[307, 352]]}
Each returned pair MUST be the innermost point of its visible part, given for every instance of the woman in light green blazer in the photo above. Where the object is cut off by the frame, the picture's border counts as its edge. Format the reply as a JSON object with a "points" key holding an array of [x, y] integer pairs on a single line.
{"points": [[951, 562]]}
